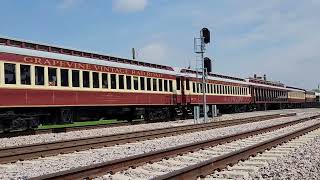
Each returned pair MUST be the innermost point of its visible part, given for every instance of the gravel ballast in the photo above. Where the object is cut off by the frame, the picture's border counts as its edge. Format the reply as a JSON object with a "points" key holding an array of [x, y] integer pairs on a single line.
{"points": [[27, 169], [150, 171], [45, 138], [303, 163]]}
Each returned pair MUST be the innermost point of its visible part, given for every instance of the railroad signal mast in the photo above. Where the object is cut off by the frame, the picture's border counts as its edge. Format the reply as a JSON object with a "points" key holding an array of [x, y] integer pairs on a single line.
{"points": [[200, 47]]}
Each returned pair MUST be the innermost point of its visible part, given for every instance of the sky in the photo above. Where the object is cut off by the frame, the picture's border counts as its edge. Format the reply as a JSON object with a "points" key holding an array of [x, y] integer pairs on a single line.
{"points": [[279, 38]]}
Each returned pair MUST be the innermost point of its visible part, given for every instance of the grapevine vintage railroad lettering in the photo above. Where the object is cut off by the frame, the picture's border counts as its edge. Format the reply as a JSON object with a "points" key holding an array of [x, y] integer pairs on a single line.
{"points": [[90, 67]]}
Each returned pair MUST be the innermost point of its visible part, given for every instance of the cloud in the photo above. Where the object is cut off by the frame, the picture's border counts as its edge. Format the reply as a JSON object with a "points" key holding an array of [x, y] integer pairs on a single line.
{"points": [[129, 5], [65, 4], [155, 52]]}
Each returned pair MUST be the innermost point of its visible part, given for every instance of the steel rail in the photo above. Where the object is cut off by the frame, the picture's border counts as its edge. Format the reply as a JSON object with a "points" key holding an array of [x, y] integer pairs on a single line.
{"points": [[12, 154], [93, 171], [70, 129], [26, 152], [76, 128], [218, 163]]}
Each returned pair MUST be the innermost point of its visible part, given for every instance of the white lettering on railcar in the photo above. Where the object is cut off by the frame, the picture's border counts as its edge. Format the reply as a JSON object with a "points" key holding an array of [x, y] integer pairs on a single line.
{"points": [[92, 67]]}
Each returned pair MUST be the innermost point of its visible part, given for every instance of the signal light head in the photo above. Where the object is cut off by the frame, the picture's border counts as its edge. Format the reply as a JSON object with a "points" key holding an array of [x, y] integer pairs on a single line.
{"points": [[207, 64], [205, 33]]}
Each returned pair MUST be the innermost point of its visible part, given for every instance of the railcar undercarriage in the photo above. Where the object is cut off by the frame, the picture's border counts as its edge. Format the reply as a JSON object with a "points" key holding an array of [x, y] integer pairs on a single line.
{"points": [[19, 119]]}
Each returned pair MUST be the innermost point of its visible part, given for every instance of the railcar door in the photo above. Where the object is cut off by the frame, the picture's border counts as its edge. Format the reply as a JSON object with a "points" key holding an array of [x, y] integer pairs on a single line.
{"points": [[187, 91], [181, 99]]}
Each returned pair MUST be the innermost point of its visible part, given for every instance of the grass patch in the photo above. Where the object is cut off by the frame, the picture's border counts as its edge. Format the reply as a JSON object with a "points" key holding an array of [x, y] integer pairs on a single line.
{"points": [[78, 124]]}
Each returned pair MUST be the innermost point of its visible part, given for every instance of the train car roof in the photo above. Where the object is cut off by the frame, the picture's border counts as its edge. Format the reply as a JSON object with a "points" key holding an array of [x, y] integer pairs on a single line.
{"points": [[43, 54], [266, 86], [8, 41], [295, 89], [16, 46]]}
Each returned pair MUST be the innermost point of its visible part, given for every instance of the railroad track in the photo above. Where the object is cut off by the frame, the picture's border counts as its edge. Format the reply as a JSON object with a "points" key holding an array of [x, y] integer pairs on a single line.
{"points": [[69, 129], [26, 152], [191, 172]]}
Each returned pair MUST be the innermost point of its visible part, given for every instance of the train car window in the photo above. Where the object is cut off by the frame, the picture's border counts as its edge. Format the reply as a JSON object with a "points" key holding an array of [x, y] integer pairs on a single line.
{"points": [[208, 88], [201, 88], [198, 88], [85, 79], [75, 78], [178, 80], [121, 81], [135, 83], [10, 73], [142, 85], [211, 87], [214, 89], [129, 82], [155, 84], [52, 74], [95, 78], [165, 85], [149, 84], [187, 84], [160, 85], [25, 74], [64, 77], [39, 75], [113, 81], [193, 87], [104, 80], [170, 86]]}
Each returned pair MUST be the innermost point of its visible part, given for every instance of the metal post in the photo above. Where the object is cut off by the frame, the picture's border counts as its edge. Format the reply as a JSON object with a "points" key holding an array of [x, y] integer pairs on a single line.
{"points": [[204, 39], [204, 85]]}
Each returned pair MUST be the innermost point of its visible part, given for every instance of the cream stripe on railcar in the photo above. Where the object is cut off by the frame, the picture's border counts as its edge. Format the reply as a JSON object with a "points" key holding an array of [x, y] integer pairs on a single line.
{"points": [[1, 73], [18, 84], [216, 90]]}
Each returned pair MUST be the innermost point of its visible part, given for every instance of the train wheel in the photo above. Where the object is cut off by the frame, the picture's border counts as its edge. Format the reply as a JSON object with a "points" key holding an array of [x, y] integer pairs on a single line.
{"points": [[66, 115], [19, 124]]}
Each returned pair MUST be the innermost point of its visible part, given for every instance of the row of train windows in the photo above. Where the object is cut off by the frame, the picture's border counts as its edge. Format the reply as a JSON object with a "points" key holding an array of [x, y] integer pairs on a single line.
{"points": [[25, 78], [219, 89], [269, 93]]}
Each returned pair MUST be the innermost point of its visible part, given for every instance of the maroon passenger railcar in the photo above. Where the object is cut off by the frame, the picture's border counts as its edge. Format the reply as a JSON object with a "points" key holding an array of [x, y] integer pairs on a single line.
{"points": [[42, 83]]}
